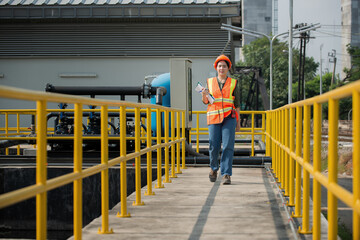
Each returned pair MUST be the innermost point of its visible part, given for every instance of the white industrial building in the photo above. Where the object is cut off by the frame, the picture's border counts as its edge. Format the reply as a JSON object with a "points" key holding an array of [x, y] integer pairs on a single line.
{"points": [[117, 42], [350, 14]]}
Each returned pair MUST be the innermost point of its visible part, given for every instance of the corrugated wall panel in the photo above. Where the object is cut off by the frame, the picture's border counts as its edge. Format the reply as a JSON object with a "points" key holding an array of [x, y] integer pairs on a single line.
{"points": [[135, 39]]}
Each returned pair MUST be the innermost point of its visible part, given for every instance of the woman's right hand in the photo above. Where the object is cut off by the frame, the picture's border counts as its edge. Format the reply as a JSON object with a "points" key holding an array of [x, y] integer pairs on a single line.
{"points": [[204, 93]]}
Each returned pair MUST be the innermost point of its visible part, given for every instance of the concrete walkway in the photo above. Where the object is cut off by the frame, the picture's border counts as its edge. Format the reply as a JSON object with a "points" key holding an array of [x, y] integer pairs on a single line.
{"points": [[191, 207]]}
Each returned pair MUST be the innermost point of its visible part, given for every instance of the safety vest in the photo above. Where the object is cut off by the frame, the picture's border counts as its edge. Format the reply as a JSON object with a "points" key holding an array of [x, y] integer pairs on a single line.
{"points": [[224, 100]]}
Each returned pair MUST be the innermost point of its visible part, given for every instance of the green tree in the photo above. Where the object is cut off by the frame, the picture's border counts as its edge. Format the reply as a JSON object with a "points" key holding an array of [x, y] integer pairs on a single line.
{"points": [[353, 73], [312, 87], [257, 54]]}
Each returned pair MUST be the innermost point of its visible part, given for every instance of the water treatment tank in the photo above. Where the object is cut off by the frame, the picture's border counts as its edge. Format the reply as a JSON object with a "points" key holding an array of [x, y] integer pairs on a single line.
{"points": [[162, 80]]}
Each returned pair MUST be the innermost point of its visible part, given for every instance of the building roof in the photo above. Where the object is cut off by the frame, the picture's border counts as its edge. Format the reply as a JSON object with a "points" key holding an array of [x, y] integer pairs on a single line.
{"points": [[53, 9], [107, 2]]}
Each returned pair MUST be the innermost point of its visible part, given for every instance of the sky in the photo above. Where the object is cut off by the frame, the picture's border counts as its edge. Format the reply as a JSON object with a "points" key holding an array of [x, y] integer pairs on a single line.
{"points": [[325, 12]]}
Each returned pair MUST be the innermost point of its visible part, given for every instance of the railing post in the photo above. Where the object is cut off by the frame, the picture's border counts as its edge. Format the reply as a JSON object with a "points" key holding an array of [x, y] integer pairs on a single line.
{"points": [[263, 126], [356, 160], [6, 130], [158, 140], [178, 171], [287, 157], [306, 176], [273, 146], [282, 152], [18, 131], [317, 169], [297, 213], [41, 171], [278, 138], [105, 172], [183, 166], [78, 169], [123, 175], [268, 131], [190, 133], [291, 160], [137, 201], [142, 131], [173, 145], [166, 128], [252, 134], [149, 155], [197, 132], [332, 167]]}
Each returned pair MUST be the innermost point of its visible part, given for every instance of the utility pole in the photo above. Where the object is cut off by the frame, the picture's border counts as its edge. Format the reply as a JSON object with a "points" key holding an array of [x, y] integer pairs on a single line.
{"points": [[321, 46], [304, 38], [290, 51], [301, 82], [332, 59]]}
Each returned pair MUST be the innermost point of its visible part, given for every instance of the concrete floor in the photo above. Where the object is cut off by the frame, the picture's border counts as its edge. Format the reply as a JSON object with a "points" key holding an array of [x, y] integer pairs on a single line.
{"points": [[191, 207]]}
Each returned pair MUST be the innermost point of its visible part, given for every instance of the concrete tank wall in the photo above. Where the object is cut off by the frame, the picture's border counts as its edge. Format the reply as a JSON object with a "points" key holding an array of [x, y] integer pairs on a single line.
{"points": [[21, 217]]}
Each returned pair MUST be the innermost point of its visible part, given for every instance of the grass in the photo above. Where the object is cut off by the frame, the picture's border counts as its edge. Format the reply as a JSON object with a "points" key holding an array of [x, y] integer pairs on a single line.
{"points": [[324, 161], [343, 232]]}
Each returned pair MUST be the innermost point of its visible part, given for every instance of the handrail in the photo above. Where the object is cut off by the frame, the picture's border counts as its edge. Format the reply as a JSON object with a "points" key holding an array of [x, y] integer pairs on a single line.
{"points": [[42, 186], [281, 147], [197, 131], [287, 135]]}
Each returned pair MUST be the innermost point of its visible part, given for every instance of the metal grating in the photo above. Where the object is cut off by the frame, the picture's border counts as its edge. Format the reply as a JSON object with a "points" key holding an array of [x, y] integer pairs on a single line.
{"points": [[135, 39]]}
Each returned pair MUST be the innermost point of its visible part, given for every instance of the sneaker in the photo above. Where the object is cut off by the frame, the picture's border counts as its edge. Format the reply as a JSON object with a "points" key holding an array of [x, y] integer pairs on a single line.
{"points": [[213, 175], [226, 180]]}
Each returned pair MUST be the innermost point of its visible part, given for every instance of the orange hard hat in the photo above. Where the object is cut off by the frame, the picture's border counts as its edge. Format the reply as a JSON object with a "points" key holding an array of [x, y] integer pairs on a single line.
{"points": [[222, 58]]}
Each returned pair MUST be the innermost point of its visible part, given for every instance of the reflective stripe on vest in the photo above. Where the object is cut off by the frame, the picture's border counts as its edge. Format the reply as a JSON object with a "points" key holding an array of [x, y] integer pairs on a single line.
{"points": [[224, 100]]}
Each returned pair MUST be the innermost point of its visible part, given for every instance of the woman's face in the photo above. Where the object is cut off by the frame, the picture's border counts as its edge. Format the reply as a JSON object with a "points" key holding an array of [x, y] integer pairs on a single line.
{"points": [[222, 68]]}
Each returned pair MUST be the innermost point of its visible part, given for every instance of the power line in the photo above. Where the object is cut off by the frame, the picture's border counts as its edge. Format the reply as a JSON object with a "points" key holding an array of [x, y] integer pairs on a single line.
{"points": [[335, 25], [333, 34]]}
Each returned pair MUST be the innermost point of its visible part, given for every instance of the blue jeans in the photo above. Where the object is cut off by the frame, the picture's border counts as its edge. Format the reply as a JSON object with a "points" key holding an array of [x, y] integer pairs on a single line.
{"points": [[223, 132]]}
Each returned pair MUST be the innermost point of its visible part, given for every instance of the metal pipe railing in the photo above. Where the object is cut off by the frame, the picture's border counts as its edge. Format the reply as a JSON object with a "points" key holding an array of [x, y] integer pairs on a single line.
{"points": [[287, 143], [42, 186], [282, 138], [252, 130]]}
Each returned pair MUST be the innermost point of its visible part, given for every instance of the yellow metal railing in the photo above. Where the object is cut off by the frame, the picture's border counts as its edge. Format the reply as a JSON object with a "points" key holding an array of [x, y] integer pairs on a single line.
{"points": [[42, 186], [8, 131], [288, 142], [289, 146], [252, 130]]}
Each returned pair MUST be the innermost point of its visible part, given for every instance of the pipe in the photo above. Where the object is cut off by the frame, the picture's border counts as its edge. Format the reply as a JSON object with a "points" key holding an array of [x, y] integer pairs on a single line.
{"points": [[236, 160], [146, 90], [236, 141], [192, 152], [160, 92], [237, 152], [10, 143], [94, 90], [87, 114]]}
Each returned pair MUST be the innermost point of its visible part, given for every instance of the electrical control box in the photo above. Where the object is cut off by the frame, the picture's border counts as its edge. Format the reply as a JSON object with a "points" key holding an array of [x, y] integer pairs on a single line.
{"points": [[181, 87]]}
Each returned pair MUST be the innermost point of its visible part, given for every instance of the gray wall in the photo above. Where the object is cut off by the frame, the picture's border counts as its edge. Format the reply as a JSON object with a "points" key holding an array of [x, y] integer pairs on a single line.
{"points": [[34, 74]]}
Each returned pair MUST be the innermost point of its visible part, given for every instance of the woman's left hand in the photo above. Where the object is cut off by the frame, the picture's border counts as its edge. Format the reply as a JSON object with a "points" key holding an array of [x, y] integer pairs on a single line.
{"points": [[237, 129]]}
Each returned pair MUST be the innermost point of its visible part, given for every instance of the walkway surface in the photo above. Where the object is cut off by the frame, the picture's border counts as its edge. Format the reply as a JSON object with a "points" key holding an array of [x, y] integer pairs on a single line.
{"points": [[191, 207]]}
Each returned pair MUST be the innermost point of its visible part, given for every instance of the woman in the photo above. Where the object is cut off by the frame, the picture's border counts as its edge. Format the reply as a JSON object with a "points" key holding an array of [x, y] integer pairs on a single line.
{"points": [[223, 118]]}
